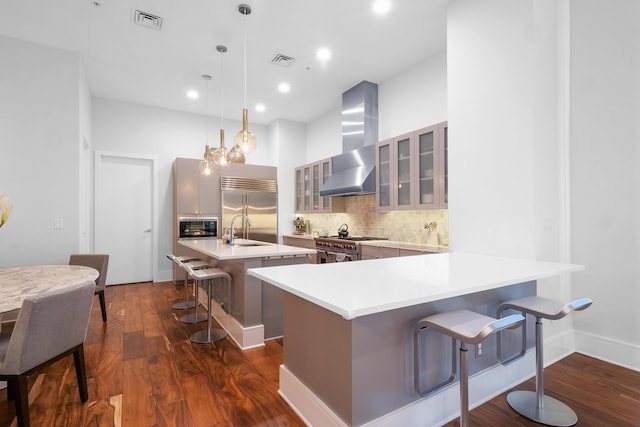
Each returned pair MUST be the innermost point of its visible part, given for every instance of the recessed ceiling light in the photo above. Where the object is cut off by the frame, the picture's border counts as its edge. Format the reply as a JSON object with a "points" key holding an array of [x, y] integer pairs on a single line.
{"points": [[284, 87], [380, 7], [193, 94], [323, 54], [260, 108]]}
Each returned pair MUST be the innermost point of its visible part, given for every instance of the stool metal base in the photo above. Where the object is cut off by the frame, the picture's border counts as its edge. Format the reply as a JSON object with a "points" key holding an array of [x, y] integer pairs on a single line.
{"points": [[183, 305], [194, 318], [553, 413], [208, 336]]}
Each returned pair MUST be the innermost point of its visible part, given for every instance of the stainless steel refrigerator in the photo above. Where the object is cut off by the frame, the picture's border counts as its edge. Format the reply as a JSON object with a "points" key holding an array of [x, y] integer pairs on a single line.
{"points": [[256, 198]]}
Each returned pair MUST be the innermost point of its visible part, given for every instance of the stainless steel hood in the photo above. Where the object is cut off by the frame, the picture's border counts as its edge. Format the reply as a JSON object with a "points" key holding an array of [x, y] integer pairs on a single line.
{"points": [[353, 172]]}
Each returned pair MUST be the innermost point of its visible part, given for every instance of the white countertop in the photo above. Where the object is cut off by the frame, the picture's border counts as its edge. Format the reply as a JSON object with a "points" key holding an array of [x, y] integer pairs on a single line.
{"points": [[215, 249], [354, 289]]}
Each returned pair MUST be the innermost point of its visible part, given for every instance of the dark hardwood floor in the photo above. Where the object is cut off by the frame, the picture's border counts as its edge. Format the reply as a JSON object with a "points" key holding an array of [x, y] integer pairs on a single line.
{"points": [[143, 371]]}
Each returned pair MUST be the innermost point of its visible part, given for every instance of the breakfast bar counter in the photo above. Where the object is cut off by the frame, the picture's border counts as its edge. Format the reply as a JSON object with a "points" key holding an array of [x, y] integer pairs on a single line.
{"points": [[348, 327]]}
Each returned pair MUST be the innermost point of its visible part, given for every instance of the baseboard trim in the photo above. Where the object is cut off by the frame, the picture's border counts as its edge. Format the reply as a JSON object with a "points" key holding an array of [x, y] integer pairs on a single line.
{"points": [[244, 337], [438, 409], [608, 350]]}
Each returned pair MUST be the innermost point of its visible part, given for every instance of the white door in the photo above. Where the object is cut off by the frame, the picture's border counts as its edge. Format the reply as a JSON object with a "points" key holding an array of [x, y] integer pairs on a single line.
{"points": [[124, 216]]}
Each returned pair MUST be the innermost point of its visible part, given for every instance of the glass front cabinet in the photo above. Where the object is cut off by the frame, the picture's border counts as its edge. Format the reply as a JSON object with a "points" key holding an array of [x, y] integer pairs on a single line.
{"points": [[412, 170], [309, 179]]}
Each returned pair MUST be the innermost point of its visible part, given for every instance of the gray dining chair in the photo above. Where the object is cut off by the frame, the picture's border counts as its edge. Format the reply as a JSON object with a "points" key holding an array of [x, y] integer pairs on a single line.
{"points": [[100, 262], [49, 327]]}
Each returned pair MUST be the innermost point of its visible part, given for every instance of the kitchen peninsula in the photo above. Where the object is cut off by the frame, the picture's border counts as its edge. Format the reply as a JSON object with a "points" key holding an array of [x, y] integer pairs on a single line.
{"points": [[255, 312], [348, 350]]}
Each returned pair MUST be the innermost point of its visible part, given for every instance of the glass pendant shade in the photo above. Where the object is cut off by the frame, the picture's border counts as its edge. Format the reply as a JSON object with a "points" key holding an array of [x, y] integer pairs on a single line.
{"points": [[236, 155], [245, 138], [206, 165], [220, 153], [206, 168]]}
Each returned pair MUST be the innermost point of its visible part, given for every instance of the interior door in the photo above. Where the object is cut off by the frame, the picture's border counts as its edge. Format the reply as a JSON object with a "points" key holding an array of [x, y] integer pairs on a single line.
{"points": [[124, 216]]}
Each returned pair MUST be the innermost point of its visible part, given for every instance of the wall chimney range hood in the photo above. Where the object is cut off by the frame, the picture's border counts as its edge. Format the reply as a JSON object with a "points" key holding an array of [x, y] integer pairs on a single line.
{"points": [[354, 171]]}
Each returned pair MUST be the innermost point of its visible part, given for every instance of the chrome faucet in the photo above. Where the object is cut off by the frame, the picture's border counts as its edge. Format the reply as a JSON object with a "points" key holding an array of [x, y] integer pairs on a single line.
{"points": [[233, 231]]}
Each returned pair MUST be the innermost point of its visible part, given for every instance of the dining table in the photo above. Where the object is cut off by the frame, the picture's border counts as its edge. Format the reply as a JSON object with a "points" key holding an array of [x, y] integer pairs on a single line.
{"points": [[19, 283]]}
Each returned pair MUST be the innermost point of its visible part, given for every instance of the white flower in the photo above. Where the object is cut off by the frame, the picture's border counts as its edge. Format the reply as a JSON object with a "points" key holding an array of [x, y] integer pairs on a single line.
{"points": [[5, 209]]}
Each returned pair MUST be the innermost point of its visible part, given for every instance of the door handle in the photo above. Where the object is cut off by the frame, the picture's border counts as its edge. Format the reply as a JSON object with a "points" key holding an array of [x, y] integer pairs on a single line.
{"points": [[148, 230]]}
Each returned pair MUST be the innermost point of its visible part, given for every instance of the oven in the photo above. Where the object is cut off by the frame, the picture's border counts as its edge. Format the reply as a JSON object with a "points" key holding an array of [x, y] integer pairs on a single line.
{"points": [[198, 227], [330, 255], [340, 249]]}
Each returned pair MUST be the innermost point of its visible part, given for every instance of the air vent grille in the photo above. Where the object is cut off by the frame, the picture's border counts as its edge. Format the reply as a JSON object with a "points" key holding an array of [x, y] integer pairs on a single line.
{"points": [[282, 60], [147, 20], [248, 184]]}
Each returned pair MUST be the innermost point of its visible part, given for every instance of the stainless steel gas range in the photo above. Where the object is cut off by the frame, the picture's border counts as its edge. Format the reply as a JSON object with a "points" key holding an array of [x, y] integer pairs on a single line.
{"points": [[338, 249]]}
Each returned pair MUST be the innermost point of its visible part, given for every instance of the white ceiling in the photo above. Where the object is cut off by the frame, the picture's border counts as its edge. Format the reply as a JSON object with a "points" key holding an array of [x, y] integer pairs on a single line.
{"points": [[128, 62]]}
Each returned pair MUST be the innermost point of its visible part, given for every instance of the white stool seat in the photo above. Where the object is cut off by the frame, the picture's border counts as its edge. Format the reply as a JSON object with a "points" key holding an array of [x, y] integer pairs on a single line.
{"points": [[194, 265], [465, 326], [535, 405], [544, 307]]}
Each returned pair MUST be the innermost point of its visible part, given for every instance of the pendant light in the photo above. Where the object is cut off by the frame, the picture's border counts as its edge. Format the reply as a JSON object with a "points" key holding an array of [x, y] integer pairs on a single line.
{"points": [[220, 154], [244, 138], [206, 165]]}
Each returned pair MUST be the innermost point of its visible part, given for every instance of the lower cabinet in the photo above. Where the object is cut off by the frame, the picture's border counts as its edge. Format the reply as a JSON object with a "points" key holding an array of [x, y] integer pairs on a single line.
{"points": [[376, 252], [302, 242]]}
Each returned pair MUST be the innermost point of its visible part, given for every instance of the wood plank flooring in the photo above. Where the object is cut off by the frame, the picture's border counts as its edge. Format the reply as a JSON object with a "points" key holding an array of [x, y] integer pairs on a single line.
{"points": [[143, 371]]}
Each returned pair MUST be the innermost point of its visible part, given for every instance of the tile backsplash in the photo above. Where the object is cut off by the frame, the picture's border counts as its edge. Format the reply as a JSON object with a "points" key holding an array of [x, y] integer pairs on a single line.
{"points": [[403, 226]]}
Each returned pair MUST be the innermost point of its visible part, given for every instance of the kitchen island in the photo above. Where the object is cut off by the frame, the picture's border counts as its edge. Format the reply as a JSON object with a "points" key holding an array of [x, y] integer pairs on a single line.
{"points": [[255, 312], [348, 349]]}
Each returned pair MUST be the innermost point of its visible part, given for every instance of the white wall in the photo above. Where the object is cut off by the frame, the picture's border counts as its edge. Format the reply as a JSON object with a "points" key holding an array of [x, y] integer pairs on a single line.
{"points": [[605, 175], [288, 148], [324, 137], [85, 168], [414, 98], [39, 139], [491, 173]]}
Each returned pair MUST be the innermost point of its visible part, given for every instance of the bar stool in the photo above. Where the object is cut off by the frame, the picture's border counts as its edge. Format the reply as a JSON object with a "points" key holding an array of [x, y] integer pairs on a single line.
{"points": [[179, 260], [208, 275], [468, 327], [535, 405], [190, 268]]}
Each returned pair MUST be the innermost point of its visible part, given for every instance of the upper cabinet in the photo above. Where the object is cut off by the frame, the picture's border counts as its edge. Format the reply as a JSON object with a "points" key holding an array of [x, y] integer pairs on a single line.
{"points": [[309, 179], [412, 170], [194, 193]]}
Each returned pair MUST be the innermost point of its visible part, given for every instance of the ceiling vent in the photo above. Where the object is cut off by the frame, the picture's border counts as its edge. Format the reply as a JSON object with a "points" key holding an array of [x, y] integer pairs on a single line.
{"points": [[147, 20], [282, 60]]}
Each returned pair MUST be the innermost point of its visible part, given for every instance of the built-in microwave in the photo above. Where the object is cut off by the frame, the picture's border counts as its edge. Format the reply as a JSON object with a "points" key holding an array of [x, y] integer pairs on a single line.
{"points": [[198, 227]]}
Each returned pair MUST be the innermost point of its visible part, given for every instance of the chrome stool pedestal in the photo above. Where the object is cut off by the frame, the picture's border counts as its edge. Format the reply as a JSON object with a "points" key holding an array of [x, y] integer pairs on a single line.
{"points": [[180, 260], [467, 327], [208, 275], [191, 269], [535, 405]]}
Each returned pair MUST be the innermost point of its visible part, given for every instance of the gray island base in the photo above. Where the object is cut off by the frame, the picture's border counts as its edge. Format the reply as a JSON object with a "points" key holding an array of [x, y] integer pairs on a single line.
{"points": [[348, 328], [255, 312]]}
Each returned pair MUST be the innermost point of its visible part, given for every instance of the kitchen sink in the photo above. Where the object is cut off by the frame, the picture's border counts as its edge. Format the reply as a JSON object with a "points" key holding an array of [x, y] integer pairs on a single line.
{"points": [[247, 244]]}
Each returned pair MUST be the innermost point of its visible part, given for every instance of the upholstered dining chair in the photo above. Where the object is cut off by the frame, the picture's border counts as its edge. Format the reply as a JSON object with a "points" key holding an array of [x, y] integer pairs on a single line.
{"points": [[100, 262], [50, 326]]}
